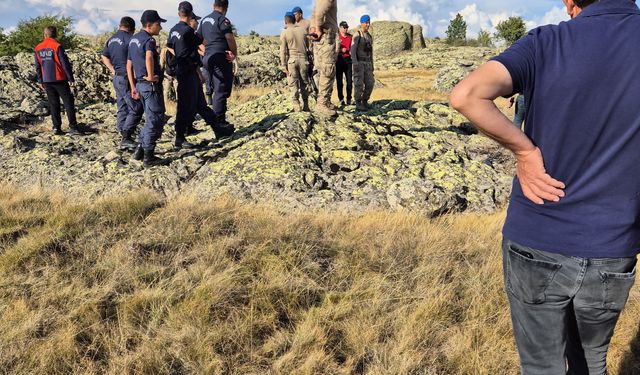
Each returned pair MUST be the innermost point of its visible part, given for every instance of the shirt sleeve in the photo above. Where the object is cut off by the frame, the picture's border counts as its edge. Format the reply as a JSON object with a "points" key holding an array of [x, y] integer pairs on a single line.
{"points": [[105, 51], [225, 26], [519, 60], [38, 68], [355, 40], [66, 64], [284, 51]]}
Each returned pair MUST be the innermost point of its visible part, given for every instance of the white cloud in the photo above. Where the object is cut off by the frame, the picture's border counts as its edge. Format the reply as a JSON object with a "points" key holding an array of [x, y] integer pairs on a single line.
{"points": [[400, 10], [554, 16]]}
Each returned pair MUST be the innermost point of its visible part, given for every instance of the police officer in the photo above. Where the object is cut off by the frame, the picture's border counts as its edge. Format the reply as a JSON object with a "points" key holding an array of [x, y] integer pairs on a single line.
{"points": [[300, 21], [184, 42], [114, 57], [294, 63], [220, 51], [323, 32], [362, 58], [147, 85], [55, 74]]}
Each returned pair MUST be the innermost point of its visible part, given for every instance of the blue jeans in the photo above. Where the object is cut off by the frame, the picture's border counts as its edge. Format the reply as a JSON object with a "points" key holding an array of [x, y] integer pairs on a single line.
{"points": [[129, 110], [518, 118], [153, 102], [564, 309]]}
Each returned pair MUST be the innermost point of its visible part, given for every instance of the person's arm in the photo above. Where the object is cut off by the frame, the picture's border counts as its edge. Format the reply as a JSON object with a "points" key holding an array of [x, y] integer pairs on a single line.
{"points": [[319, 16], [107, 62], [132, 80], [474, 98], [66, 64], [284, 54], [38, 71], [149, 63], [355, 43], [233, 46]]}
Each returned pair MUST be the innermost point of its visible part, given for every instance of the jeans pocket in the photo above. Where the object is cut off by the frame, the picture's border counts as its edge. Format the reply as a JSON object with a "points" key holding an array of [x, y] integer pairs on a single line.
{"points": [[616, 287], [527, 278]]}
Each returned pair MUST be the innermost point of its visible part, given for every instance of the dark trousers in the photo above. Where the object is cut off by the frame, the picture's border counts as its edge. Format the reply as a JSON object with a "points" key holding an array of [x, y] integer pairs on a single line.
{"points": [[203, 108], [564, 309], [344, 69], [153, 102], [187, 97], [221, 82], [129, 110], [56, 91]]}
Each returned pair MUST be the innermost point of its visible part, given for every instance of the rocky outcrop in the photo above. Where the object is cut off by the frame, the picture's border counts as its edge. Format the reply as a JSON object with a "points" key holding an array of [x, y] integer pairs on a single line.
{"points": [[259, 61], [421, 156], [436, 55], [391, 37]]}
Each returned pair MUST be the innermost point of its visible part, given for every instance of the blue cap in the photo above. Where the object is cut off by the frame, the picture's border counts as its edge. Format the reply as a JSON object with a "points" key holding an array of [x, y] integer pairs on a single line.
{"points": [[296, 10], [365, 19], [288, 14]]}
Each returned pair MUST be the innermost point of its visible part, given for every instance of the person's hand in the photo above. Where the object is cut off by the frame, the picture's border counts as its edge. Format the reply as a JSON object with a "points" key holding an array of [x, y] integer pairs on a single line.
{"points": [[537, 185], [285, 71], [154, 79], [42, 87], [113, 71], [230, 56], [344, 50], [134, 94]]}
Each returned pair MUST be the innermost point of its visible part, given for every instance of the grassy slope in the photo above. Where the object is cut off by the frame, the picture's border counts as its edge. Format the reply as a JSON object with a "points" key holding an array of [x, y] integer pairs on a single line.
{"points": [[140, 285]]}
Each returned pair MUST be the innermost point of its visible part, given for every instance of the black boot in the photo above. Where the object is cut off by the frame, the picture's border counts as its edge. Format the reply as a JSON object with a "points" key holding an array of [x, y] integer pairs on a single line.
{"points": [[150, 159], [75, 130], [138, 154], [223, 129], [58, 131], [127, 143], [182, 143]]}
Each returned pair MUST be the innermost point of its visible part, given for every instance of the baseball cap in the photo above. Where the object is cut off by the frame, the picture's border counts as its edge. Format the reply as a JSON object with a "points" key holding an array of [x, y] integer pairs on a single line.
{"points": [[185, 7], [151, 16], [344, 24], [296, 10], [194, 17], [365, 19], [288, 14]]}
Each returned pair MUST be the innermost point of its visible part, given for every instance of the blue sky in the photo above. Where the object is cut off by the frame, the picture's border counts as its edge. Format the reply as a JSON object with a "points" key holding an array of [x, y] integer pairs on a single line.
{"points": [[265, 17]]}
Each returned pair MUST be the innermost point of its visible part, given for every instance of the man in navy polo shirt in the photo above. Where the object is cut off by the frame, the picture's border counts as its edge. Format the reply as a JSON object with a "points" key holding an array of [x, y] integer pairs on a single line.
{"points": [[571, 235], [145, 78], [114, 57], [220, 51]]}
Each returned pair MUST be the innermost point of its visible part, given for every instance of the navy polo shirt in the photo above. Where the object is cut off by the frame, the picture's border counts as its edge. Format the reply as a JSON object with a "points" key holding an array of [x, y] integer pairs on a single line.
{"points": [[138, 46], [116, 50], [184, 41], [581, 81], [214, 29]]}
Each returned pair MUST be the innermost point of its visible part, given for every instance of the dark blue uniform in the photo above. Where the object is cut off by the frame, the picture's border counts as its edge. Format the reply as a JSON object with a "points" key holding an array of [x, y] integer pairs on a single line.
{"points": [[129, 110], [214, 29], [150, 93], [184, 41]]}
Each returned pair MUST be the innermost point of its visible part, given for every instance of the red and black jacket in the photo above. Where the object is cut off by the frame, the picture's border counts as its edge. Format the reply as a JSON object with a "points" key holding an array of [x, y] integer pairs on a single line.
{"points": [[52, 63]]}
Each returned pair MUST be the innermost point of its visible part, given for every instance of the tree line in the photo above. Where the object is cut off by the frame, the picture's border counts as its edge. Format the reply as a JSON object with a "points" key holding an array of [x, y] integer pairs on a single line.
{"points": [[508, 31]]}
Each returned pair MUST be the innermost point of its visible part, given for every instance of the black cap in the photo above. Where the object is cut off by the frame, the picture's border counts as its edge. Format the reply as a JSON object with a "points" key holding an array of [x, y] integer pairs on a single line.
{"points": [[151, 16], [344, 24], [194, 17], [185, 8]]}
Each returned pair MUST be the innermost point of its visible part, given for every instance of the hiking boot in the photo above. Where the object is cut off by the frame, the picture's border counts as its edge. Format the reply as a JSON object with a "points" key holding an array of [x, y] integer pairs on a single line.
{"points": [[342, 103], [182, 143], [138, 154], [193, 131], [348, 101], [361, 107], [325, 111], [223, 130], [74, 130], [58, 132], [127, 143], [150, 159], [296, 106]]}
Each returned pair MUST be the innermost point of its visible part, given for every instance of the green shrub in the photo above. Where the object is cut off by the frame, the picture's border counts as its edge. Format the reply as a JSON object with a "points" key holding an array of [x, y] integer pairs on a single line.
{"points": [[29, 33], [457, 30], [511, 30]]}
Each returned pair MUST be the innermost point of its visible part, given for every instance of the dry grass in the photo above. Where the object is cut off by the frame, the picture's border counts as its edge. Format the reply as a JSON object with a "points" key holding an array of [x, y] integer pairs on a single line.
{"points": [[138, 285]]}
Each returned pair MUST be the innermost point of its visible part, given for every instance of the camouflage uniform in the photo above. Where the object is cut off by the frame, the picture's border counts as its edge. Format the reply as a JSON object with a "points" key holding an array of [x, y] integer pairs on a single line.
{"points": [[293, 57], [362, 57], [325, 18]]}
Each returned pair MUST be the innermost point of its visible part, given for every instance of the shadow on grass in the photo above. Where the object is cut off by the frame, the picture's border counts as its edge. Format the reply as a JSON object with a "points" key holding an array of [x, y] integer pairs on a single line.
{"points": [[631, 363]]}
